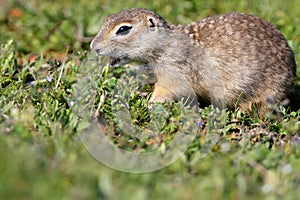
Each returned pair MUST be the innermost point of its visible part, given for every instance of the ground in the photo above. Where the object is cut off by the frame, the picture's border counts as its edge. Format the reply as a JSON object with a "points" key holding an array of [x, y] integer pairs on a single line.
{"points": [[46, 70]]}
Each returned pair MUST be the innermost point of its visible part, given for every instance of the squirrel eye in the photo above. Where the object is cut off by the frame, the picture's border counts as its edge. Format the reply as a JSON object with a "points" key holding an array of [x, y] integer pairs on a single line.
{"points": [[123, 30]]}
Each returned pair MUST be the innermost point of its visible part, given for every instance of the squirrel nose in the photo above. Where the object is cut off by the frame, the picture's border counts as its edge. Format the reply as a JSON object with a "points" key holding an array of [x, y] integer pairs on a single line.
{"points": [[96, 47], [93, 45], [98, 51]]}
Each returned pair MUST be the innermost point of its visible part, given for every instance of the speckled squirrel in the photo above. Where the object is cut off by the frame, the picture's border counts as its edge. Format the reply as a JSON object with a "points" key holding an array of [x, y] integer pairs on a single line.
{"points": [[231, 59]]}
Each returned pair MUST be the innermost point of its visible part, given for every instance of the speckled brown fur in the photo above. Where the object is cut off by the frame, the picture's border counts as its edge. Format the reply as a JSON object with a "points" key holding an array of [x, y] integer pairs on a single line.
{"points": [[231, 59]]}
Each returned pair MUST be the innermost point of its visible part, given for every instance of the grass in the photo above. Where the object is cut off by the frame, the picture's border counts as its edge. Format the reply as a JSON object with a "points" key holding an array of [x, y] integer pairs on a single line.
{"points": [[46, 69]]}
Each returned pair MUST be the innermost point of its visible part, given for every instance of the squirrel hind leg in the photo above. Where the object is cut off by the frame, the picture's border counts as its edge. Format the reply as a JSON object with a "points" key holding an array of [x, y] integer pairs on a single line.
{"points": [[258, 109]]}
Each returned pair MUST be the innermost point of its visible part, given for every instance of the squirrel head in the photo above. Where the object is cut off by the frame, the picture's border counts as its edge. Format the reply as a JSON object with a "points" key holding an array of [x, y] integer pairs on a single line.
{"points": [[131, 35]]}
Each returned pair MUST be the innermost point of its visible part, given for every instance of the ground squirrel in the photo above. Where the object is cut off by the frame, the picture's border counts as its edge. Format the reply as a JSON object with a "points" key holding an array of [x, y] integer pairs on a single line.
{"points": [[230, 59]]}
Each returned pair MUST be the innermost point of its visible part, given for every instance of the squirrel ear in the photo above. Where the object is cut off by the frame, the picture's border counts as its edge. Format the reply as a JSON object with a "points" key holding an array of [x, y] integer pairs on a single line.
{"points": [[151, 22]]}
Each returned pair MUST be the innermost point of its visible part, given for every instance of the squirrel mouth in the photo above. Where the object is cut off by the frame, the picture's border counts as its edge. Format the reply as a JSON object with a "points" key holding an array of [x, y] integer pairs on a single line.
{"points": [[117, 62]]}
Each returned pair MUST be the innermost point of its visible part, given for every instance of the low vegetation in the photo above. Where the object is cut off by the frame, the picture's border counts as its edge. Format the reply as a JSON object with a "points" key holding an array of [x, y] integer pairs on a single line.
{"points": [[52, 89]]}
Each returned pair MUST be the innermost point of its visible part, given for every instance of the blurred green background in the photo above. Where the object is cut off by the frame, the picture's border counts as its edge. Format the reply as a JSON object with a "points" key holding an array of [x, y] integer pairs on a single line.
{"points": [[43, 26], [41, 156]]}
